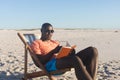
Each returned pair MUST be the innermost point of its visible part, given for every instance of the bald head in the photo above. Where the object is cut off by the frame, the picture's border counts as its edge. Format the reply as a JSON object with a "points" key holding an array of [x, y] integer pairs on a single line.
{"points": [[45, 26]]}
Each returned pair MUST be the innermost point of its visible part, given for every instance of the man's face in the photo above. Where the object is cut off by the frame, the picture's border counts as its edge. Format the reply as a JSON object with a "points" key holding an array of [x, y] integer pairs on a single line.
{"points": [[48, 32]]}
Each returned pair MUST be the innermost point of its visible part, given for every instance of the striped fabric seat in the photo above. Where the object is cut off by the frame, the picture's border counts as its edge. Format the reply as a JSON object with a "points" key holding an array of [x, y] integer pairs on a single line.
{"points": [[29, 38]]}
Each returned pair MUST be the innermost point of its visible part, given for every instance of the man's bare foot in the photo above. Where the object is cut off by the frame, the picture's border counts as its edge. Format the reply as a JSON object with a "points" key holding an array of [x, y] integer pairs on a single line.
{"points": [[54, 78]]}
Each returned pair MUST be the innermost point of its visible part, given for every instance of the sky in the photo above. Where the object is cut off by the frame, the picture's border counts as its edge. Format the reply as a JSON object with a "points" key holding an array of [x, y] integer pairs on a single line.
{"points": [[27, 14]]}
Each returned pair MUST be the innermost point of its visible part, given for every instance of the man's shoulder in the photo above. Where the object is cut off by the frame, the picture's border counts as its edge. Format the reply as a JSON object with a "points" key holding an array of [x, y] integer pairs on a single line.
{"points": [[37, 41], [55, 41]]}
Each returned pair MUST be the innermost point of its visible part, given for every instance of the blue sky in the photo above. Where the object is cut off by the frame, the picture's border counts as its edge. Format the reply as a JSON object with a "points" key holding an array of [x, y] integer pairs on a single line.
{"points": [[21, 14]]}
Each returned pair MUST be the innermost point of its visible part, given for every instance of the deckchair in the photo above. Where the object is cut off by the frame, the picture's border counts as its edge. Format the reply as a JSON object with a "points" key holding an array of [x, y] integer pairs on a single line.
{"points": [[27, 39]]}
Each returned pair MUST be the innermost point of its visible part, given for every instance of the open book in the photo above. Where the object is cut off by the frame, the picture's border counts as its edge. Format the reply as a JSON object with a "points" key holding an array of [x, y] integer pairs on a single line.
{"points": [[64, 51]]}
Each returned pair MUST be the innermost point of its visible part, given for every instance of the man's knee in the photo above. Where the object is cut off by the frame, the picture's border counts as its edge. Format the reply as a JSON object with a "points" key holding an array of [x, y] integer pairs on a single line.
{"points": [[93, 50]]}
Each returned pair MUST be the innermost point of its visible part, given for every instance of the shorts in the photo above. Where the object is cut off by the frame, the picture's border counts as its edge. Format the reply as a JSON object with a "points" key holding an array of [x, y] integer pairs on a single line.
{"points": [[51, 65]]}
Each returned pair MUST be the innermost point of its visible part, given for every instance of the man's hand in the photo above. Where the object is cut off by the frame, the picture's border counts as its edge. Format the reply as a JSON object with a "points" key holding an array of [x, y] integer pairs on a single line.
{"points": [[55, 55]]}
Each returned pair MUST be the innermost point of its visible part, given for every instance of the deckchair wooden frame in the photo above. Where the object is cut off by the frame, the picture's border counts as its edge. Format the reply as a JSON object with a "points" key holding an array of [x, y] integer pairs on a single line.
{"points": [[43, 71]]}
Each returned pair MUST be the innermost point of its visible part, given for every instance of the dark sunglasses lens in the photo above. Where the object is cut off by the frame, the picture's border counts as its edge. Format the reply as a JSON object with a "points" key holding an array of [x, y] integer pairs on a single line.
{"points": [[50, 31]]}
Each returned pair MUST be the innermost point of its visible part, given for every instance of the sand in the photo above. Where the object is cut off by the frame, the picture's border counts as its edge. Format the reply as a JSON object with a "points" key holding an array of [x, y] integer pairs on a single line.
{"points": [[106, 41]]}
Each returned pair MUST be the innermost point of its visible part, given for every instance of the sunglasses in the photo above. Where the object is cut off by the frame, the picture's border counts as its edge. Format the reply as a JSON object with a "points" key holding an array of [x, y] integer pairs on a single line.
{"points": [[50, 31]]}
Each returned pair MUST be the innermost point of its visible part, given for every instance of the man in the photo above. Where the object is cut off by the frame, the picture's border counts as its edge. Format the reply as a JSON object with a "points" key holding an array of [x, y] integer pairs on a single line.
{"points": [[84, 62]]}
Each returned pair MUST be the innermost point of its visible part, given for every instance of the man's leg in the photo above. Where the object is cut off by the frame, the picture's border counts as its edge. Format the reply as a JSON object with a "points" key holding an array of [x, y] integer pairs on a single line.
{"points": [[89, 57], [76, 63]]}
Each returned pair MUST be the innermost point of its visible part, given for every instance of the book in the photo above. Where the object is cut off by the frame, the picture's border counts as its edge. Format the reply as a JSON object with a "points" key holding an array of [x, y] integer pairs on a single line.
{"points": [[64, 51]]}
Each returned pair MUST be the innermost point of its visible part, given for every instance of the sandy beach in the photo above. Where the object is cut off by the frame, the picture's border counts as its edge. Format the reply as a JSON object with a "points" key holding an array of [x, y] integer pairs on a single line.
{"points": [[106, 41]]}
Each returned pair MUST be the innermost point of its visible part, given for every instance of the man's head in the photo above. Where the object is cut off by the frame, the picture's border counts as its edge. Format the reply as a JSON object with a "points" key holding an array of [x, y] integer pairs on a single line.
{"points": [[47, 31]]}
